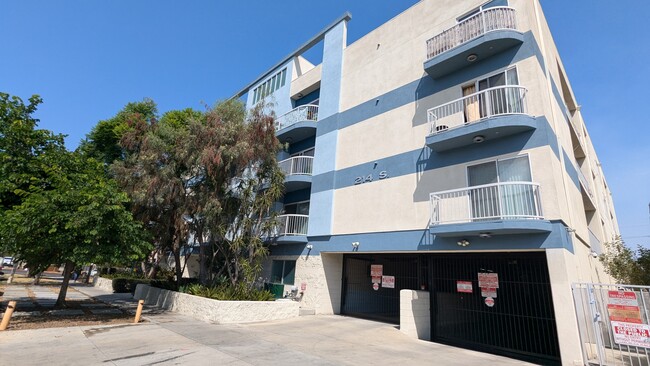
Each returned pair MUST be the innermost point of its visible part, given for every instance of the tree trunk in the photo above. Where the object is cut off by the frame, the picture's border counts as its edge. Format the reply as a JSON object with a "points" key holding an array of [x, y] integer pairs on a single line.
{"points": [[177, 265], [67, 271], [37, 279], [13, 273]]}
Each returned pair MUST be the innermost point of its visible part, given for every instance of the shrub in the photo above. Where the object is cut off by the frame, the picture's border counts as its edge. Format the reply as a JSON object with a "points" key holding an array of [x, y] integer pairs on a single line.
{"points": [[228, 292], [122, 285]]}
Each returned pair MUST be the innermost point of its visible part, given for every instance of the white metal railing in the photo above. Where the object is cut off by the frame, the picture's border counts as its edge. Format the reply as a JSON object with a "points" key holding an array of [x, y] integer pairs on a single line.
{"points": [[501, 17], [308, 112], [500, 100], [292, 225], [583, 179], [297, 165], [497, 201]]}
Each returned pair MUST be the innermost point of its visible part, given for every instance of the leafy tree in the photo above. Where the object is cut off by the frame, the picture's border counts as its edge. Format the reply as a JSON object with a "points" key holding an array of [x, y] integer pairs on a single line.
{"points": [[58, 206], [103, 141], [201, 175], [238, 182], [158, 179], [21, 143], [626, 265], [80, 219]]}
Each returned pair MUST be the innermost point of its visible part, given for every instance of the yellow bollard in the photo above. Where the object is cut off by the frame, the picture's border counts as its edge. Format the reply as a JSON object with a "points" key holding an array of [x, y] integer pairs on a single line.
{"points": [[138, 313], [5, 319]]}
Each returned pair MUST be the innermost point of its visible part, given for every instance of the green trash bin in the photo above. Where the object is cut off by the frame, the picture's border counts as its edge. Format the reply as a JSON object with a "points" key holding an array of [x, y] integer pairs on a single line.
{"points": [[276, 289]]}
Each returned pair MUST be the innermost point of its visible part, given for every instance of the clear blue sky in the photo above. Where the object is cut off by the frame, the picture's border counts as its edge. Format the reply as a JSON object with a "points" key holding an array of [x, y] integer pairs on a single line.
{"points": [[87, 59]]}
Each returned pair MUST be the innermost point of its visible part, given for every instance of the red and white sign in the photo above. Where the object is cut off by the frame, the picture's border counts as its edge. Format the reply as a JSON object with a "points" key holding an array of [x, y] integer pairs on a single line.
{"points": [[489, 301], [376, 279], [464, 286], [631, 334], [375, 286], [625, 298], [488, 292], [388, 281], [376, 270], [488, 280], [623, 306]]}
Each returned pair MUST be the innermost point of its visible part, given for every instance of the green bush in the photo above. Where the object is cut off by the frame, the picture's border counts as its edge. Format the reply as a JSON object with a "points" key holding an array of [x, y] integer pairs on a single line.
{"points": [[228, 292]]}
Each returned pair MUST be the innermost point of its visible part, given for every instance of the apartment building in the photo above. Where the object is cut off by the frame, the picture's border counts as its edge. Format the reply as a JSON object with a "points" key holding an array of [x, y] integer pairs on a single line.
{"points": [[443, 152]]}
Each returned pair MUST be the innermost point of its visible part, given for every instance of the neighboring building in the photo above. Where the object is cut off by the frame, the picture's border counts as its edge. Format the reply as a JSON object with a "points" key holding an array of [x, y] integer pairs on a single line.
{"points": [[443, 144]]}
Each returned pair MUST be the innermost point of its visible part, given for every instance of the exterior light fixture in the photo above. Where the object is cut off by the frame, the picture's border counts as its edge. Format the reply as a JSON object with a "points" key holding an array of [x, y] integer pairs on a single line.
{"points": [[463, 243], [485, 235], [355, 244], [309, 247], [478, 139], [471, 58]]}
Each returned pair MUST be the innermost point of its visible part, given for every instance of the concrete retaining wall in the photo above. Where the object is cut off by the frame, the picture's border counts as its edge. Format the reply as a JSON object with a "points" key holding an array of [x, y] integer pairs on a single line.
{"points": [[104, 283], [216, 311], [414, 314]]}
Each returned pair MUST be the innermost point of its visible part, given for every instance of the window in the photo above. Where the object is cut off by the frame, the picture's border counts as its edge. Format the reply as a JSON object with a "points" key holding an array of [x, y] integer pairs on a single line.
{"points": [[308, 152], [298, 208], [484, 98], [270, 85], [502, 201], [283, 272]]}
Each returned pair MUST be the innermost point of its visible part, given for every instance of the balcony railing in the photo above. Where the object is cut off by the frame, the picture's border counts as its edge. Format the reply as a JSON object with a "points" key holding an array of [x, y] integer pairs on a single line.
{"points": [[483, 22], [289, 225], [307, 112], [297, 165], [489, 202], [583, 179], [475, 107]]}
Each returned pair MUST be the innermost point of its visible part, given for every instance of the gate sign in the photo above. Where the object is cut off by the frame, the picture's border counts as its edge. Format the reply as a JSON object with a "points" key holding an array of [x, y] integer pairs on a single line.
{"points": [[625, 298], [488, 292], [464, 286], [623, 306], [376, 270], [490, 280], [388, 281], [631, 334]]}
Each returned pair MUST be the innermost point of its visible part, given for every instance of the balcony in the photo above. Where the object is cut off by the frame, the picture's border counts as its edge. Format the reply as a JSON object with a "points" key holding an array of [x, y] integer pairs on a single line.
{"points": [[498, 208], [486, 115], [291, 229], [478, 37], [297, 171], [297, 124]]}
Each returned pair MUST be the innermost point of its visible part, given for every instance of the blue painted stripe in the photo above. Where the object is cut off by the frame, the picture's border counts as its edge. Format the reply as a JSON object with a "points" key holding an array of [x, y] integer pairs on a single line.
{"points": [[424, 159], [426, 87], [422, 241]]}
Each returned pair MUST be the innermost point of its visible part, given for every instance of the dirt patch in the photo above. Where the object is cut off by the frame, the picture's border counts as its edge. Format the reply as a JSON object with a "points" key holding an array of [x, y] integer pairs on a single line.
{"points": [[49, 321], [45, 317]]}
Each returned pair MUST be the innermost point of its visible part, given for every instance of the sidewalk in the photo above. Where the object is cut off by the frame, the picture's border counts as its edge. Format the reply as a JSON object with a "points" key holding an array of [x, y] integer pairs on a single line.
{"points": [[169, 338], [36, 300]]}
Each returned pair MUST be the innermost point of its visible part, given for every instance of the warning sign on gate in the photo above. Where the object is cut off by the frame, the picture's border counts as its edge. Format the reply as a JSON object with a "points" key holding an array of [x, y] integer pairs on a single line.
{"points": [[376, 270], [388, 281], [631, 334], [488, 280], [464, 286], [488, 292], [623, 306]]}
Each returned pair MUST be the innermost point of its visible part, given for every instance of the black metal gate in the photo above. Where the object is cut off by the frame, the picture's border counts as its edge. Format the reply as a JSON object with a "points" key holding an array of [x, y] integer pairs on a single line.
{"points": [[361, 299], [515, 318]]}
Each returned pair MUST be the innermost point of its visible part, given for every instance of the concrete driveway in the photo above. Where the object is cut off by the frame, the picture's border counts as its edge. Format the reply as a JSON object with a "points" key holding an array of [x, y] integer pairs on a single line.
{"points": [[172, 339]]}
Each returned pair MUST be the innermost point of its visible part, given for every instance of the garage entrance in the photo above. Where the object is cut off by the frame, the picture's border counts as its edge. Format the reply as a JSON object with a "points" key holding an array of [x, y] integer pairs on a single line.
{"points": [[509, 312], [361, 299]]}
